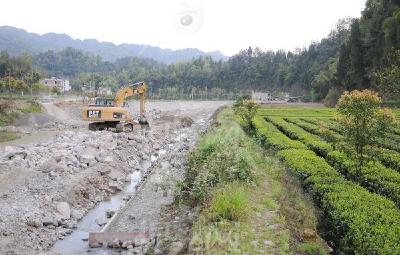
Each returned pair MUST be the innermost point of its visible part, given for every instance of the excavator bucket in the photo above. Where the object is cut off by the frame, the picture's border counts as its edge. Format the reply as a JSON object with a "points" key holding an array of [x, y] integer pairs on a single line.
{"points": [[143, 121]]}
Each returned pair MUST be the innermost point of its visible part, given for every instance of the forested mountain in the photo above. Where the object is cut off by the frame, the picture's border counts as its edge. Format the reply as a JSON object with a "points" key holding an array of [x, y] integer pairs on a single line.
{"points": [[307, 70], [374, 37], [300, 72], [17, 41], [358, 53]]}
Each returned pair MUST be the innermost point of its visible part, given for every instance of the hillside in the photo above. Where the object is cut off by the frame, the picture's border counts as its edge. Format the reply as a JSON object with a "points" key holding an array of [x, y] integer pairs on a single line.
{"points": [[17, 41]]}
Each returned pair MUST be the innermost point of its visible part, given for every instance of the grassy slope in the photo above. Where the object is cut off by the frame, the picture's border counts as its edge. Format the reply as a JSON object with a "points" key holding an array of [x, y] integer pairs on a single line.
{"points": [[10, 110], [262, 211]]}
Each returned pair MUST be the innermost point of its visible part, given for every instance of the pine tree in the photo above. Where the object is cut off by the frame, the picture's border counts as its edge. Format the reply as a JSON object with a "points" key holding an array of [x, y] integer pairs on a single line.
{"points": [[356, 68], [343, 67]]}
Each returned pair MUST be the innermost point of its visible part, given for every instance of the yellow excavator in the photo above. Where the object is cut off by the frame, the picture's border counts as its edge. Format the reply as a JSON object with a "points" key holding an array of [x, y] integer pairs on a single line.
{"points": [[114, 113]]}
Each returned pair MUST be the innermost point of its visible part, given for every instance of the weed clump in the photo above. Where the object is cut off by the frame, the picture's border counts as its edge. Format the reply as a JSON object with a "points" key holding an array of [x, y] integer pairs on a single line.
{"points": [[220, 158], [230, 203], [312, 249]]}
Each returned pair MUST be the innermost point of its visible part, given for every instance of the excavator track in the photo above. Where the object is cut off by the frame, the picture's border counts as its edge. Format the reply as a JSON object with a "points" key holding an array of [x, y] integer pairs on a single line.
{"points": [[115, 126]]}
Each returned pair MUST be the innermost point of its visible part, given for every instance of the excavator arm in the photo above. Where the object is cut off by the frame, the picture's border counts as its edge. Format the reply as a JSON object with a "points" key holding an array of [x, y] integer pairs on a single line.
{"points": [[130, 90]]}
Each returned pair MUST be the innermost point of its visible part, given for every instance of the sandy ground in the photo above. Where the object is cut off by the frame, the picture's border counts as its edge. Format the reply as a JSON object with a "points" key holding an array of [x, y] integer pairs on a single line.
{"points": [[58, 172]]}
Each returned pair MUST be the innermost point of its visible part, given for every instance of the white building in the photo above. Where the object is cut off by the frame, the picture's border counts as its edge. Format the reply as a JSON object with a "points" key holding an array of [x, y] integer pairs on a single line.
{"points": [[61, 84], [260, 97]]}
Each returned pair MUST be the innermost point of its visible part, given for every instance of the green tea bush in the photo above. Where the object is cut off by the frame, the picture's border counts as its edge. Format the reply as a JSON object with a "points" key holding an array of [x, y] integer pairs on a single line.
{"points": [[395, 130], [389, 158], [392, 137], [330, 123], [313, 142], [373, 175], [388, 144], [274, 139], [357, 221], [362, 120], [319, 129]]}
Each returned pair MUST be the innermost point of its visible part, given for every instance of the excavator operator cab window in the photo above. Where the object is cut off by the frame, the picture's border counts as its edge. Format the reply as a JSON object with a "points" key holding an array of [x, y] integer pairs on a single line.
{"points": [[104, 102]]}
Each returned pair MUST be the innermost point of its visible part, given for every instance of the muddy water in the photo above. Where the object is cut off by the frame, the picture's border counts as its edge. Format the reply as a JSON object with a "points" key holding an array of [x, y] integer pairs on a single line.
{"points": [[77, 243]]}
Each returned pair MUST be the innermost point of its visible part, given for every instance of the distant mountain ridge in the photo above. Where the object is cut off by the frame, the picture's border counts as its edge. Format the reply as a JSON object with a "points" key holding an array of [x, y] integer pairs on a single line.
{"points": [[17, 41]]}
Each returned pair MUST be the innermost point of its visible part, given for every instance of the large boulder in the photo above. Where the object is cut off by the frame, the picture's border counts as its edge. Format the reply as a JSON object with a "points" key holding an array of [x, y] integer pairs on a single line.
{"points": [[87, 159], [186, 122], [51, 165], [63, 210]]}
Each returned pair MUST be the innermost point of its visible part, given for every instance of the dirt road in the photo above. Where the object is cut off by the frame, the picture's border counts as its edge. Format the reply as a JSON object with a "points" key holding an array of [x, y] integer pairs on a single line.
{"points": [[48, 187], [57, 112], [37, 127]]}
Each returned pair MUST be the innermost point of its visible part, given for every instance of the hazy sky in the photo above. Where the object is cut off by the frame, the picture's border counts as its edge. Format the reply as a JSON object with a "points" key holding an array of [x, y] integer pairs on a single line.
{"points": [[225, 25]]}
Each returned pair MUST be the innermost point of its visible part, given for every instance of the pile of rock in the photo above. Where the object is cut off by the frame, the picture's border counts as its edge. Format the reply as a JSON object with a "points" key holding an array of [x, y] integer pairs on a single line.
{"points": [[60, 180]]}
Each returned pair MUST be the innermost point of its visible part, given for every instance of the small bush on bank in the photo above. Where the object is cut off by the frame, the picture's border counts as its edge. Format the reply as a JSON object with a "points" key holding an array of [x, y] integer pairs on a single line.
{"points": [[246, 109], [219, 158], [312, 249], [229, 203]]}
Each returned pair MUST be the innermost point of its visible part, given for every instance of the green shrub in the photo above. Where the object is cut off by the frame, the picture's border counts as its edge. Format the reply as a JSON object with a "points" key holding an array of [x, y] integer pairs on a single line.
{"points": [[199, 187], [319, 129], [373, 175], [330, 123], [388, 154], [392, 136], [221, 157], [246, 109], [389, 158], [32, 106], [395, 130], [358, 222], [313, 142], [230, 203], [362, 120], [388, 144], [311, 249], [286, 111], [274, 139]]}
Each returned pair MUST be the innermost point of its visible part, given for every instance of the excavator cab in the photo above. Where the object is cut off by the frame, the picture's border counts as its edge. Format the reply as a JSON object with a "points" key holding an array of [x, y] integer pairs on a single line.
{"points": [[113, 113], [99, 101]]}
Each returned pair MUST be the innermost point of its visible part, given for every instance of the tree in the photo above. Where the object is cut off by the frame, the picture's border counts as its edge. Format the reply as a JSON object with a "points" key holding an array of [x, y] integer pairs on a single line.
{"points": [[357, 71], [362, 120], [37, 88], [246, 109], [388, 77], [12, 85], [343, 67]]}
